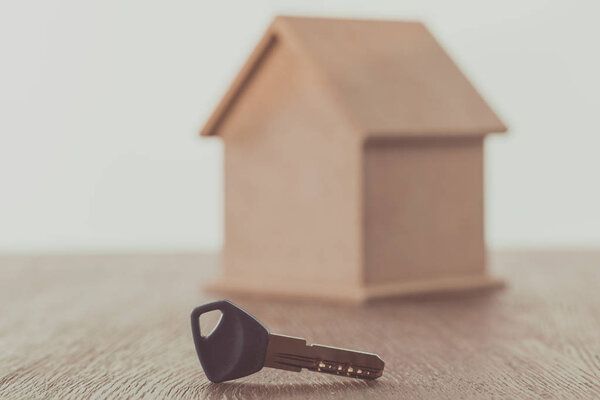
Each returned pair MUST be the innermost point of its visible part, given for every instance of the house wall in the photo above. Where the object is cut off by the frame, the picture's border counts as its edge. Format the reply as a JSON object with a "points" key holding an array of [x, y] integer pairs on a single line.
{"points": [[292, 187], [423, 209]]}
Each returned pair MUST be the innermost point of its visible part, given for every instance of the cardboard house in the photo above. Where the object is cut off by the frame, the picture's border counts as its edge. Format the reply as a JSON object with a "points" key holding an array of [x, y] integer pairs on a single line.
{"points": [[353, 164]]}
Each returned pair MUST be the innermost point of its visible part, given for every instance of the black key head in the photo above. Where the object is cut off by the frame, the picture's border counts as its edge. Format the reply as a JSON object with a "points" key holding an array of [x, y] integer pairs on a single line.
{"points": [[236, 347]]}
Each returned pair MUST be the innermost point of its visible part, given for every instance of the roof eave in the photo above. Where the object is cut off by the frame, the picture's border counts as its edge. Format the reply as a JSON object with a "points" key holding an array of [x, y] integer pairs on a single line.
{"points": [[434, 133], [243, 77]]}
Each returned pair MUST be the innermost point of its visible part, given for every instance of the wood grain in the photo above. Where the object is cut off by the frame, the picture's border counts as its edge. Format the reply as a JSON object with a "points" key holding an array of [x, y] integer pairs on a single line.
{"points": [[95, 327]]}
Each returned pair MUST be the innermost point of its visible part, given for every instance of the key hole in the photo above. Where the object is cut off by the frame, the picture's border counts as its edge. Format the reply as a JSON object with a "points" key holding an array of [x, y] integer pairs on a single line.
{"points": [[209, 322]]}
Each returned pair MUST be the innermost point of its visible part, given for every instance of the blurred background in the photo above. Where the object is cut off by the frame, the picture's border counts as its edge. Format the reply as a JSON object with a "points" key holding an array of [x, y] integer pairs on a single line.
{"points": [[101, 103]]}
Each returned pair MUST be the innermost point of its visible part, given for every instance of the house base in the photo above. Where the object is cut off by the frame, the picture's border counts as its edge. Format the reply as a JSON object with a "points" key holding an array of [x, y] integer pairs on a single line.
{"points": [[355, 294]]}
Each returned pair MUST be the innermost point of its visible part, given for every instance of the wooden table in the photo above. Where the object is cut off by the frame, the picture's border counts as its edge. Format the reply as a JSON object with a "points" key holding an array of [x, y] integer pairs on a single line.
{"points": [[118, 327]]}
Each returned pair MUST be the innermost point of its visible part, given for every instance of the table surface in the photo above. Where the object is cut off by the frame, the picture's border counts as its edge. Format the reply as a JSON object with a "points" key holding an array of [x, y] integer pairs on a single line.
{"points": [[118, 327]]}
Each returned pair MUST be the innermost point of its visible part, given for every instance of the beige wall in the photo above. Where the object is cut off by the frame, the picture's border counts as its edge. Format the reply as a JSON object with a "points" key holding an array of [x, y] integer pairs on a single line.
{"points": [[101, 102], [423, 208]]}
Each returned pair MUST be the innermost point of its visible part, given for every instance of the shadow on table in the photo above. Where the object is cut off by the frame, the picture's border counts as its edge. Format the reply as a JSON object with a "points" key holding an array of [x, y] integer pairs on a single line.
{"points": [[482, 294], [337, 389]]}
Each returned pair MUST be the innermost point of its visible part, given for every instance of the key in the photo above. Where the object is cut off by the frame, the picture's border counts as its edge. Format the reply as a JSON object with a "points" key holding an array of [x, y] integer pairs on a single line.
{"points": [[240, 345]]}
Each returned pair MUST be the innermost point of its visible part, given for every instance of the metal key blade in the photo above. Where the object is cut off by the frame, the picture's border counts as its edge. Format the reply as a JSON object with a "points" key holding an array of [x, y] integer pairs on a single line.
{"points": [[293, 354]]}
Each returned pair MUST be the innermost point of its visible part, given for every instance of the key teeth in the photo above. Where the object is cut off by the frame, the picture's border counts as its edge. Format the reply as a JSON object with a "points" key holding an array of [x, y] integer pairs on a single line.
{"points": [[285, 352], [349, 370]]}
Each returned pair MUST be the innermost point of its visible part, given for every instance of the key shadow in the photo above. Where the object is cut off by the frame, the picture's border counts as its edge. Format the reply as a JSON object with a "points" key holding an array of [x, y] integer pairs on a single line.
{"points": [[277, 389]]}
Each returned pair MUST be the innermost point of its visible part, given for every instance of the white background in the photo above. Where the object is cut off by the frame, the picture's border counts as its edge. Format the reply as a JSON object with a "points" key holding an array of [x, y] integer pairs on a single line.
{"points": [[101, 101]]}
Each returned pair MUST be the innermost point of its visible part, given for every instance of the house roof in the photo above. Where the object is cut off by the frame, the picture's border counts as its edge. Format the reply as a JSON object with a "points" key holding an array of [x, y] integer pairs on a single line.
{"points": [[391, 77]]}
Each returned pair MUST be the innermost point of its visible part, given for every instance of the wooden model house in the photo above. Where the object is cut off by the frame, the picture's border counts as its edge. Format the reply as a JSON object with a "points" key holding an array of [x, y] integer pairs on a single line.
{"points": [[353, 164]]}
